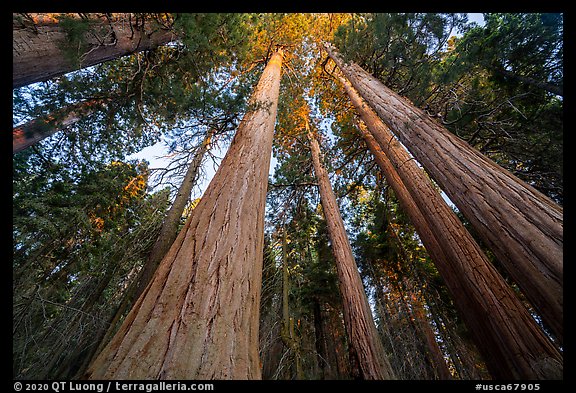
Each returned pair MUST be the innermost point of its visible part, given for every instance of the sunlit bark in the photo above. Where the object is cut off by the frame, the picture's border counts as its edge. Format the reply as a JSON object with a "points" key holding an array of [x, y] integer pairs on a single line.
{"points": [[38, 49], [198, 318], [365, 343], [167, 236]]}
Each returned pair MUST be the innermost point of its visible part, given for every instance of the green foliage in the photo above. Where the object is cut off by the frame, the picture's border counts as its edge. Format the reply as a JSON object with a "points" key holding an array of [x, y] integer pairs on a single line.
{"points": [[83, 219], [399, 49], [490, 87], [497, 95], [525, 44], [76, 30], [75, 242], [149, 94], [214, 38]]}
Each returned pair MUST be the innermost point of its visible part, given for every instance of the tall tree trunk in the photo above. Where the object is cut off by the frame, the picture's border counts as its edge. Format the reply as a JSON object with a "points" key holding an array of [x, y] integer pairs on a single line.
{"points": [[434, 351], [198, 318], [320, 342], [363, 337], [32, 132], [337, 337], [522, 226], [167, 236], [287, 331], [400, 329], [38, 55], [513, 344], [169, 230]]}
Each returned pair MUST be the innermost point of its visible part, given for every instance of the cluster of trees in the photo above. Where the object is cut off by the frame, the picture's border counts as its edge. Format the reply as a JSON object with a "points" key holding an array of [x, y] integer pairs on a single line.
{"points": [[347, 262]]}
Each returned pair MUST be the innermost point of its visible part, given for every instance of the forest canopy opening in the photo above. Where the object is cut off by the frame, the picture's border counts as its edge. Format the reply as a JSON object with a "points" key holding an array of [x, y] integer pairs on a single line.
{"points": [[341, 196]]}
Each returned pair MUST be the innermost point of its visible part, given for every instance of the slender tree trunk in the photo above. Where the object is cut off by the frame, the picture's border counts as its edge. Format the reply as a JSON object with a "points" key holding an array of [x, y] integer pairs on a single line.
{"points": [[198, 318], [287, 331], [549, 87], [32, 132], [271, 345], [38, 55], [513, 344], [463, 352], [402, 333], [436, 355], [169, 230], [320, 342], [363, 337], [522, 226], [167, 236], [337, 336], [419, 322]]}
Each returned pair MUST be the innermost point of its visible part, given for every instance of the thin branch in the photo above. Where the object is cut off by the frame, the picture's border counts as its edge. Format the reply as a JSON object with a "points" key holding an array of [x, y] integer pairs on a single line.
{"points": [[303, 184]]}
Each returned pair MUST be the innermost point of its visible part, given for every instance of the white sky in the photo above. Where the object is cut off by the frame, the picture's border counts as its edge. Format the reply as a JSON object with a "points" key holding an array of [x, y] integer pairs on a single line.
{"points": [[476, 17]]}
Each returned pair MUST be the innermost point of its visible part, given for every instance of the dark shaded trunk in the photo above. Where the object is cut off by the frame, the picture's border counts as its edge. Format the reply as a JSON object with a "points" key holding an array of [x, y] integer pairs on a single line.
{"points": [[32, 132], [435, 354], [287, 331], [415, 310], [512, 343], [549, 87], [522, 226], [320, 342], [271, 345]]}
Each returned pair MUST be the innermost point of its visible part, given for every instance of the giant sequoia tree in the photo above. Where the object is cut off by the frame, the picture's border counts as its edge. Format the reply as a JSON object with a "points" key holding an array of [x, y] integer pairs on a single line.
{"points": [[461, 261], [205, 294], [41, 48], [346, 262], [523, 227]]}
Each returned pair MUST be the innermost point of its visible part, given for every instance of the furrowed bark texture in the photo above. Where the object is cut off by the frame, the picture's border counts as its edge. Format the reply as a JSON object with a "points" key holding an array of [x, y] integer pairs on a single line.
{"points": [[363, 338], [522, 226], [32, 132], [512, 343], [198, 318], [167, 236], [37, 53]]}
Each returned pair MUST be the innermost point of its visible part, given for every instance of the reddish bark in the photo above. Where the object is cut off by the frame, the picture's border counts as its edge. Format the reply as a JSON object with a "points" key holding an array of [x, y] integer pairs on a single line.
{"points": [[364, 341], [523, 227], [32, 132], [513, 344], [38, 55], [167, 236], [198, 318]]}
